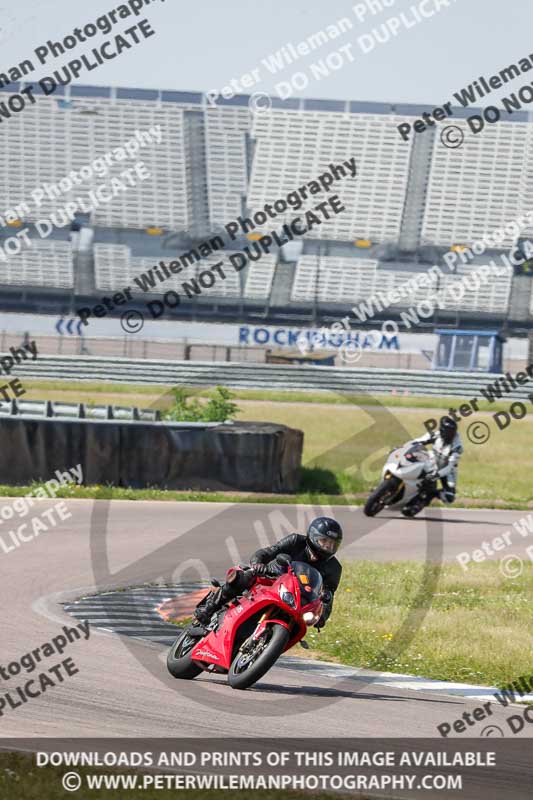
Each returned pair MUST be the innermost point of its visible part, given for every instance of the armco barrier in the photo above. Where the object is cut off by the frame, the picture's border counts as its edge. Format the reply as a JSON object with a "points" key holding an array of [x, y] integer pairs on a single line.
{"points": [[262, 376], [244, 456], [60, 410]]}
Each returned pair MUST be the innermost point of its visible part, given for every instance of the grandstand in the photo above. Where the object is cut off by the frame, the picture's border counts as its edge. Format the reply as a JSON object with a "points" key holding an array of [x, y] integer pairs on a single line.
{"points": [[332, 279], [227, 151], [291, 147], [116, 267], [50, 264], [472, 190], [409, 204]]}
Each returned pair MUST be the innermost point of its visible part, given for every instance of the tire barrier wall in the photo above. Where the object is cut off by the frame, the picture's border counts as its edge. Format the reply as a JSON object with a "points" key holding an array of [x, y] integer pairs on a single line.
{"points": [[252, 457]]}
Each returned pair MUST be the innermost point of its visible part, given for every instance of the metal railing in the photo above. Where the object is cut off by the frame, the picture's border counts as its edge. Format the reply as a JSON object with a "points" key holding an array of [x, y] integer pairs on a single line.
{"points": [[45, 409], [60, 410], [262, 376]]}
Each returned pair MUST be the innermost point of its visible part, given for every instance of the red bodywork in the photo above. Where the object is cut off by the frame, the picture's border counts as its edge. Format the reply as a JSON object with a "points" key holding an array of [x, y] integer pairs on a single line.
{"points": [[217, 650]]}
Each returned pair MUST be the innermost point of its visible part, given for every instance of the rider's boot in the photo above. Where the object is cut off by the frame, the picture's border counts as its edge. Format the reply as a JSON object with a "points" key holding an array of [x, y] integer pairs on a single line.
{"points": [[237, 581], [214, 602], [419, 502], [207, 608], [413, 508], [447, 493], [429, 492]]}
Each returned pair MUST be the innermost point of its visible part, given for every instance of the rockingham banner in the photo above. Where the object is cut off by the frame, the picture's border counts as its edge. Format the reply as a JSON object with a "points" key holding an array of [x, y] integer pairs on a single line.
{"points": [[272, 337]]}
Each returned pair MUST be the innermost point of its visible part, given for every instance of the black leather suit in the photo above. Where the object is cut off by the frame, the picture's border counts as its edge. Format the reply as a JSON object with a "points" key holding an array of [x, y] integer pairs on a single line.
{"points": [[294, 545]]}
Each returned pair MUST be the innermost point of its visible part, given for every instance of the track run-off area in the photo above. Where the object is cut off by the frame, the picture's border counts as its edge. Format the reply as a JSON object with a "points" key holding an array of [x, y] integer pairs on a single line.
{"points": [[122, 687]]}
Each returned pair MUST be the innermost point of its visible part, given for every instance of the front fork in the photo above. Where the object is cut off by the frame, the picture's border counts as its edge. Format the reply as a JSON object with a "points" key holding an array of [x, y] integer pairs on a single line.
{"points": [[401, 485], [266, 620]]}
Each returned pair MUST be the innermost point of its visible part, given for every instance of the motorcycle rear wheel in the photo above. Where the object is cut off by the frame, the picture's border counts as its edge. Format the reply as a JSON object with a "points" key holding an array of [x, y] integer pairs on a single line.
{"points": [[380, 497], [249, 666], [179, 661]]}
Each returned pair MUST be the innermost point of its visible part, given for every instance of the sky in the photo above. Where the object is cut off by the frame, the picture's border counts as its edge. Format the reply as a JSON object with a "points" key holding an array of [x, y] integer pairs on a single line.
{"points": [[202, 45]]}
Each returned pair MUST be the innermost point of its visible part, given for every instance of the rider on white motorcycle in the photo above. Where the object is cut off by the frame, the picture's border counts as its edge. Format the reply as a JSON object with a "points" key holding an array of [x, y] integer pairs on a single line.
{"points": [[447, 450]]}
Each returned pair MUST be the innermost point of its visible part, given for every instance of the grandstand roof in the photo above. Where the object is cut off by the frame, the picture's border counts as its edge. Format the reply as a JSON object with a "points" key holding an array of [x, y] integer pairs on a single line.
{"points": [[243, 100]]}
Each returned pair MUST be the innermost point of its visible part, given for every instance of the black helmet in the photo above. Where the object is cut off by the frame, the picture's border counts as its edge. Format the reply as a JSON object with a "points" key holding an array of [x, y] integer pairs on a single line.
{"points": [[447, 429], [324, 537]]}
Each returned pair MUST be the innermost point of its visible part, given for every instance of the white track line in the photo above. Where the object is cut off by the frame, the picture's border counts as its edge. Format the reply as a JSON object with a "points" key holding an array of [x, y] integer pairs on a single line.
{"points": [[395, 680], [143, 625]]}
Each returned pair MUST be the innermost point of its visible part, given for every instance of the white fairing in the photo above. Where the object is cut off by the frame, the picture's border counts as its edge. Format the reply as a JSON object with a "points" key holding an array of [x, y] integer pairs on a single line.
{"points": [[410, 472]]}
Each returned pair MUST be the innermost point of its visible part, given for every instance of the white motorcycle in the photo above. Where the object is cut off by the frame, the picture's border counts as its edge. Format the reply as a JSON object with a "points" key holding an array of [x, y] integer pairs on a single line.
{"points": [[406, 481]]}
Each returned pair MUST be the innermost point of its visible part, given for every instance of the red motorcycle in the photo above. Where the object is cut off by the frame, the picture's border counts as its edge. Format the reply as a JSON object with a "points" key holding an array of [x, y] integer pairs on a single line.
{"points": [[246, 637]]}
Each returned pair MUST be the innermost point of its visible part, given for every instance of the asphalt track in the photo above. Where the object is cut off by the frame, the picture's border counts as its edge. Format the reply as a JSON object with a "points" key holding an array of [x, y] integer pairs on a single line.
{"points": [[122, 688]]}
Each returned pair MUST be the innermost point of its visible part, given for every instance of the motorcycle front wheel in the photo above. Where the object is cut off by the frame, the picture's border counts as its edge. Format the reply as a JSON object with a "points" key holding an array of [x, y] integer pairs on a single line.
{"points": [[254, 659], [382, 496], [179, 661]]}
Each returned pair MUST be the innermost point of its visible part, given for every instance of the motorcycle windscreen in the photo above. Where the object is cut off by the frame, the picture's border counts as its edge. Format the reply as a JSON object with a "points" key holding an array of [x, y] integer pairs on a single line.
{"points": [[309, 580], [417, 453]]}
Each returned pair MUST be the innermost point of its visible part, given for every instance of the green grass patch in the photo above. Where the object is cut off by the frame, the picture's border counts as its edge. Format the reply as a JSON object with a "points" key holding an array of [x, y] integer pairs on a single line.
{"points": [[85, 391], [43, 388], [474, 627], [99, 492], [21, 779], [330, 460], [104, 492], [498, 470]]}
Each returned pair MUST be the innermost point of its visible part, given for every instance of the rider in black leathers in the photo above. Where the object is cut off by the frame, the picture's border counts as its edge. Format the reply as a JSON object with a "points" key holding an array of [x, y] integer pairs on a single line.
{"points": [[317, 548]]}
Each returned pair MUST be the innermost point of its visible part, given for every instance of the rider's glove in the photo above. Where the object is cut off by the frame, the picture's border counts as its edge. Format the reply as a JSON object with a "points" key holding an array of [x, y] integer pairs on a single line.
{"points": [[260, 569], [327, 597], [274, 568]]}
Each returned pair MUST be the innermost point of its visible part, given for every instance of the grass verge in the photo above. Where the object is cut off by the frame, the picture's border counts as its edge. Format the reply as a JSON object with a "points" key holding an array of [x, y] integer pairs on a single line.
{"points": [[21, 779], [331, 465], [316, 499], [99, 492], [452, 643], [144, 394]]}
